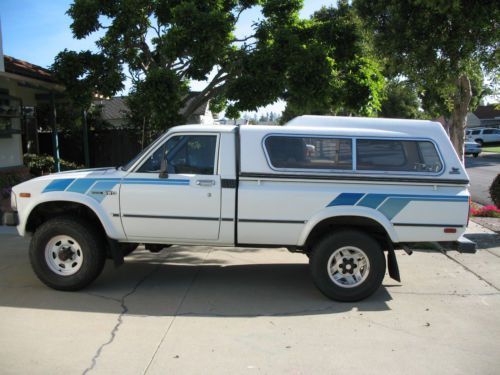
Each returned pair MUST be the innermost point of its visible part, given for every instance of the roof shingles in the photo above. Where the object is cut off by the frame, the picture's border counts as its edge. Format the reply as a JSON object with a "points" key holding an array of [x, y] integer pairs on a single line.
{"points": [[26, 69]]}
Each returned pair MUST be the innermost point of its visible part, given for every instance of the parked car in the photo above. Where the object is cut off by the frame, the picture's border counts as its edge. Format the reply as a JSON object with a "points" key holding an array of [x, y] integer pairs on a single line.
{"points": [[472, 148], [483, 135], [343, 191]]}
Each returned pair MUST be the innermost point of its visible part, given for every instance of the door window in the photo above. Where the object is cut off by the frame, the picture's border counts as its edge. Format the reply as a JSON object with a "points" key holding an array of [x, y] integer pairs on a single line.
{"points": [[186, 154]]}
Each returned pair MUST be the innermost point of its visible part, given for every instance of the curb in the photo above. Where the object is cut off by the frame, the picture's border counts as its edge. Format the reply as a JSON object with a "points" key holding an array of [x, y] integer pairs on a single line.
{"points": [[5, 230]]}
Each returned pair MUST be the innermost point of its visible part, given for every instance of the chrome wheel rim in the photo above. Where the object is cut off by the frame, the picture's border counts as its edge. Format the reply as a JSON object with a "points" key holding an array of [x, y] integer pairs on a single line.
{"points": [[63, 255], [348, 267]]}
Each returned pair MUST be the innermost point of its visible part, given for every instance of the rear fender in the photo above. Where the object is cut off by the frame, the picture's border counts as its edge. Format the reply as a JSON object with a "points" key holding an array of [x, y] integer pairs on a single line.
{"points": [[336, 211]]}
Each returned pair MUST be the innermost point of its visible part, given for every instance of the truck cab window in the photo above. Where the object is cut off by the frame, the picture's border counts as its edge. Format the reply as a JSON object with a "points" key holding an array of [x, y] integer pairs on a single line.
{"points": [[186, 154]]}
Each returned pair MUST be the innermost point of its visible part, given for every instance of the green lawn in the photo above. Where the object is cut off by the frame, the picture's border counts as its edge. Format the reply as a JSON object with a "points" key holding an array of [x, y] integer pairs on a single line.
{"points": [[492, 149]]}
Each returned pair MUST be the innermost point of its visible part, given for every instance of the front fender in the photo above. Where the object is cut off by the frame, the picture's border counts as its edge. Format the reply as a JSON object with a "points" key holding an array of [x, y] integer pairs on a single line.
{"points": [[113, 229], [336, 211]]}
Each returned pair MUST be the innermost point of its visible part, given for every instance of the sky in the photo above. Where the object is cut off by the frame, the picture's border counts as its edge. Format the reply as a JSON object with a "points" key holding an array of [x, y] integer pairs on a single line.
{"points": [[36, 30]]}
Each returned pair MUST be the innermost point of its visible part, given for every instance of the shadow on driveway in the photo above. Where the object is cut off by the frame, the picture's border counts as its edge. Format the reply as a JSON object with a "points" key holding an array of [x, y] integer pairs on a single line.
{"points": [[180, 283]]}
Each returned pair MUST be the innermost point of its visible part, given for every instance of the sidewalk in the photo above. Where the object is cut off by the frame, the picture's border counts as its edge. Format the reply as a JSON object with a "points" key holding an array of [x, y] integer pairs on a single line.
{"points": [[490, 223]]}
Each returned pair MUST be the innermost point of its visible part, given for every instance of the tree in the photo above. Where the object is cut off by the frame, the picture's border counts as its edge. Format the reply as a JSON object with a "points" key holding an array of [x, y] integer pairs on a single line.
{"points": [[165, 44], [400, 101], [350, 80], [438, 45]]}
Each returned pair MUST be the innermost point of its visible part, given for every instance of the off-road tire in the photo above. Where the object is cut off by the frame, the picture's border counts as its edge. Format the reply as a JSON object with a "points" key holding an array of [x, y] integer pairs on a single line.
{"points": [[323, 250], [92, 247]]}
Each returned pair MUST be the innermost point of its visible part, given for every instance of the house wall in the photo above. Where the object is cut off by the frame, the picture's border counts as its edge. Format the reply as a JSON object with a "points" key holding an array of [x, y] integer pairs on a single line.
{"points": [[472, 120], [11, 151]]}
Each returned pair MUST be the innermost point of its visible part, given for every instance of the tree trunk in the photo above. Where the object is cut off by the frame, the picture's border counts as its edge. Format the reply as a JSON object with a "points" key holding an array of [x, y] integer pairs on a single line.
{"points": [[461, 101]]}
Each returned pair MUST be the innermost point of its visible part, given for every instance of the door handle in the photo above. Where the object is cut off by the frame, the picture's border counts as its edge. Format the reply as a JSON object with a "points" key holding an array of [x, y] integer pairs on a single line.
{"points": [[205, 182]]}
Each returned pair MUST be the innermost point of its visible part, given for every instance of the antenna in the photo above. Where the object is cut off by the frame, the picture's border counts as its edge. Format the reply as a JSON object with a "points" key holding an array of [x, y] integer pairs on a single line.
{"points": [[2, 64]]}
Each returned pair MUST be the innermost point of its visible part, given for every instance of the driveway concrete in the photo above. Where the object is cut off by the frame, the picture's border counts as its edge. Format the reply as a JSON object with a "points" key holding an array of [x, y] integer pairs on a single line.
{"points": [[206, 310]]}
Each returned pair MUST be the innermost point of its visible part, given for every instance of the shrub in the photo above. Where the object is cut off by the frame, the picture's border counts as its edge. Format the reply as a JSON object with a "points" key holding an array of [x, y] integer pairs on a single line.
{"points": [[8, 180], [495, 190], [485, 211], [44, 164]]}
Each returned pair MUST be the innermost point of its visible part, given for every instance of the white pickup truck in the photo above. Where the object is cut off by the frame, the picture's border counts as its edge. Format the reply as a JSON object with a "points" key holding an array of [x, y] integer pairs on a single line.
{"points": [[343, 191]]}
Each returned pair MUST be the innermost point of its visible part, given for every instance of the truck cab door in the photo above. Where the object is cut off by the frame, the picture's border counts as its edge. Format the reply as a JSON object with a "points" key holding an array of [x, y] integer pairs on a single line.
{"points": [[183, 206]]}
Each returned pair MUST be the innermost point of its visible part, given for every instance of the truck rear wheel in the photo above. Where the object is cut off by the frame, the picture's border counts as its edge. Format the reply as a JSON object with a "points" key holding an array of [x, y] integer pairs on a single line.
{"points": [[67, 253], [347, 265]]}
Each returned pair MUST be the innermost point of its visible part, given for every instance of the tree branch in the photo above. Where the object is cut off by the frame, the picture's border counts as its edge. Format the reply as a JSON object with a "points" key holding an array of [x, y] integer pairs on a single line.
{"points": [[216, 86]]}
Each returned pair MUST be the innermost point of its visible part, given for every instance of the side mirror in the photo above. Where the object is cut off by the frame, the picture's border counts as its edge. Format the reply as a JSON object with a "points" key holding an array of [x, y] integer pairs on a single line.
{"points": [[163, 164]]}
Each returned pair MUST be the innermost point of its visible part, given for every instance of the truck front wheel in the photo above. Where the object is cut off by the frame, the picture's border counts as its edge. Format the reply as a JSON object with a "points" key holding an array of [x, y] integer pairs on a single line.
{"points": [[67, 253], [347, 265]]}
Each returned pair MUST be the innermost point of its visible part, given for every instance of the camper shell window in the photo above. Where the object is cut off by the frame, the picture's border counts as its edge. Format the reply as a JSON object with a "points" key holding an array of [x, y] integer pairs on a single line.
{"points": [[302, 152], [397, 155]]}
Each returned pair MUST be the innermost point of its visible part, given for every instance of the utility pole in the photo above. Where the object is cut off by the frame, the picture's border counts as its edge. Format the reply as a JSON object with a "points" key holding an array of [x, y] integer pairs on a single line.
{"points": [[55, 137], [86, 152]]}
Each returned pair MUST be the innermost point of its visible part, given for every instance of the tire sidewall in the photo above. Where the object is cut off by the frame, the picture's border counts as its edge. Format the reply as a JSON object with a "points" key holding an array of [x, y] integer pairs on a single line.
{"points": [[90, 245], [321, 255]]}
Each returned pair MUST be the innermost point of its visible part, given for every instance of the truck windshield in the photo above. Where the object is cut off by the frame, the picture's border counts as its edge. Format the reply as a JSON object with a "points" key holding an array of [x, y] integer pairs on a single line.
{"points": [[127, 166]]}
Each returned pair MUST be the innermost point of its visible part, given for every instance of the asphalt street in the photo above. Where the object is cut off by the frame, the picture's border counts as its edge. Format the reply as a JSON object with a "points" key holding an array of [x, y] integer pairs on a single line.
{"points": [[209, 310], [482, 170]]}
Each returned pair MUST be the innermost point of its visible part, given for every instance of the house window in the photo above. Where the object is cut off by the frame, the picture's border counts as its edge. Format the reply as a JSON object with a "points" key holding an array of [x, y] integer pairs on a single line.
{"points": [[309, 152]]}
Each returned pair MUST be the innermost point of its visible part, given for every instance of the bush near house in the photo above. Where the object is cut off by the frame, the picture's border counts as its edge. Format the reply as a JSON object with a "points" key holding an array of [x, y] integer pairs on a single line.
{"points": [[8, 179], [495, 190], [484, 211], [45, 164]]}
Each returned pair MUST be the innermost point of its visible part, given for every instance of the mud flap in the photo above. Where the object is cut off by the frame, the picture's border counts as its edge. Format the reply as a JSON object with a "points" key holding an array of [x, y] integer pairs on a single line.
{"points": [[116, 252], [392, 263]]}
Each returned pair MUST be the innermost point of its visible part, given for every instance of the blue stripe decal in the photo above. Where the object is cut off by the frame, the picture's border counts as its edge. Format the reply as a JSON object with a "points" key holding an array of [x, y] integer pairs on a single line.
{"points": [[58, 185], [81, 185], [372, 200], [346, 199], [390, 204], [97, 187], [392, 207], [140, 181], [100, 187]]}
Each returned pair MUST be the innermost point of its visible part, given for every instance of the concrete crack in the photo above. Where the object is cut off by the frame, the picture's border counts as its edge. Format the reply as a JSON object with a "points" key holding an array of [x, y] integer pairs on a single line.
{"points": [[492, 253], [191, 283], [119, 300], [119, 321]]}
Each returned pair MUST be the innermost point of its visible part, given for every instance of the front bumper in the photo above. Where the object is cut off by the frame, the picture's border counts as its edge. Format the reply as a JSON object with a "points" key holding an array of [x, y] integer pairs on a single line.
{"points": [[10, 219]]}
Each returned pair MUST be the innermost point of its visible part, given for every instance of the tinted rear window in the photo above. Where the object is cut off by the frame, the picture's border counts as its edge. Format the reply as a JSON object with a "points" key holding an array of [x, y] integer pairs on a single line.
{"points": [[395, 155], [309, 152]]}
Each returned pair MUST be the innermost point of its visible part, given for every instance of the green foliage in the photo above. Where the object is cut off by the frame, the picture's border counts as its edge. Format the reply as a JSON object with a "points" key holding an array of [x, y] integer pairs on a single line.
{"points": [[320, 65], [44, 164], [336, 73], [85, 74], [159, 98], [401, 101], [495, 191]]}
